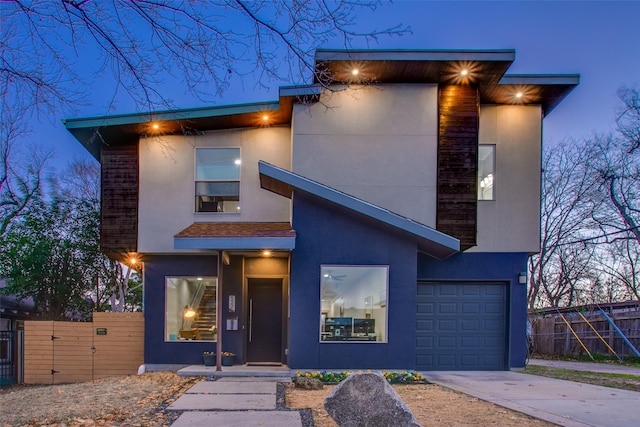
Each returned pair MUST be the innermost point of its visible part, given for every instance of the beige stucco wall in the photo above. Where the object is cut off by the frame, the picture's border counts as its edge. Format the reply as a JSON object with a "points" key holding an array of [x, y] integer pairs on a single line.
{"points": [[511, 222], [167, 182], [377, 143]]}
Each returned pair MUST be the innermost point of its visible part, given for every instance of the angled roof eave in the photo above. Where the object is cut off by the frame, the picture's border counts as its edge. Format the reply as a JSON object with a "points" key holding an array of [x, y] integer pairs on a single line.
{"points": [[283, 182], [93, 132]]}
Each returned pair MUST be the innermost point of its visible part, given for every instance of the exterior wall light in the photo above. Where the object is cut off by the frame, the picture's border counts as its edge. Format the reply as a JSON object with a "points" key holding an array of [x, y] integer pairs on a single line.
{"points": [[522, 278]]}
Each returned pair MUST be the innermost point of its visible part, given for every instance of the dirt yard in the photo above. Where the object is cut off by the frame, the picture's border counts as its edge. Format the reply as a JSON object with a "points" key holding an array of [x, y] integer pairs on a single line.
{"points": [[139, 401], [431, 404]]}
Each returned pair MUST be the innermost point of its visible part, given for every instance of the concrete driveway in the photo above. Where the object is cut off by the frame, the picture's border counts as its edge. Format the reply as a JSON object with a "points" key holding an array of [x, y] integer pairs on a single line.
{"points": [[561, 402]]}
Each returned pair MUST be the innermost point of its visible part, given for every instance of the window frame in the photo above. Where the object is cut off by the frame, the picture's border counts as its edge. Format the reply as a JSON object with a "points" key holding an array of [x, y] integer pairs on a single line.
{"points": [[166, 333], [493, 174], [217, 180], [379, 297]]}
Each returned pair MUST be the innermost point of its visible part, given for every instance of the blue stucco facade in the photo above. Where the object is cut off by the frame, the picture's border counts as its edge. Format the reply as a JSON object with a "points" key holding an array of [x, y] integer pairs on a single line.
{"points": [[157, 268], [327, 234]]}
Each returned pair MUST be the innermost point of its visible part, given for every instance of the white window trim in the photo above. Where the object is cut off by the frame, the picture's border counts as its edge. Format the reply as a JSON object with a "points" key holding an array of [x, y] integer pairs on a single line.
{"points": [[386, 292], [195, 180]]}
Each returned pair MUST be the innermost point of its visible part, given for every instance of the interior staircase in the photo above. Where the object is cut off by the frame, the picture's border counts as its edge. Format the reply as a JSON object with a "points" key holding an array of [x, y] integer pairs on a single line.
{"points": [[206, 314]]}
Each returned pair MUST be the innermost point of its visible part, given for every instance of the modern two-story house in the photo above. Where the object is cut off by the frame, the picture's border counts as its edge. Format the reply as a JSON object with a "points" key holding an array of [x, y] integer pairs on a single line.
{"points": [[380, 218]]}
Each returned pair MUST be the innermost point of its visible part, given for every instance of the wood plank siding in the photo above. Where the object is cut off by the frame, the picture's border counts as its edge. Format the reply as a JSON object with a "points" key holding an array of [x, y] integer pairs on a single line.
{"points": [[119, 212], [458, 114]]}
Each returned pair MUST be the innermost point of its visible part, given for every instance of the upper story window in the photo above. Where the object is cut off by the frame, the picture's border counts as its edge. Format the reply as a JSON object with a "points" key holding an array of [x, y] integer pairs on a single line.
{"points": [[486, 171], [218, 180]]}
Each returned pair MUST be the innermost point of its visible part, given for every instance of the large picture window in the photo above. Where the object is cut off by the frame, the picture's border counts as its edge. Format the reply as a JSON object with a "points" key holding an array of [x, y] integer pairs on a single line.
{"points": [[217, 180], [353, 303], [486, 171], [191, 304]]}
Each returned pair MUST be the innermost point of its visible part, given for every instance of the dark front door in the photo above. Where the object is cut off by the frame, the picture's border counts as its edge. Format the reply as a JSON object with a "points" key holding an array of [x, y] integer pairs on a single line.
{"points": [[265, 320]]}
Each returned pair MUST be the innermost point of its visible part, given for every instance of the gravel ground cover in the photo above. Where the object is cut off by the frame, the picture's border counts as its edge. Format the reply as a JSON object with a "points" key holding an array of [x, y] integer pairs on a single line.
{"points": [[140, 401]]}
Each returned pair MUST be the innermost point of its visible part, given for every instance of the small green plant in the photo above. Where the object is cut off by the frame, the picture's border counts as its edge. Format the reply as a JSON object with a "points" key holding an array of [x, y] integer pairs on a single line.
{"points": [[394, 377]]}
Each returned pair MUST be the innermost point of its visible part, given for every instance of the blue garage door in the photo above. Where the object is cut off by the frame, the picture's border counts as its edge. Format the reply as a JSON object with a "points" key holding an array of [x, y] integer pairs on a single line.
{"points": [[461, 326]]}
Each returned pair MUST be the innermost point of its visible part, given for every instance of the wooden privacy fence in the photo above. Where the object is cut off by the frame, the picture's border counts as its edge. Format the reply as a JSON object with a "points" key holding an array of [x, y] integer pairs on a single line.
{"points": [[552, 337], [64, 352]]}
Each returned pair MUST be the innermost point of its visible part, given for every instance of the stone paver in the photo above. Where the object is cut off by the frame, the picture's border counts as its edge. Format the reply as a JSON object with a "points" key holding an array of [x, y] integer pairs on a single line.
{"points": [[254, 379], [229, 402], [235, 400], [236, 419], [233, 387]]}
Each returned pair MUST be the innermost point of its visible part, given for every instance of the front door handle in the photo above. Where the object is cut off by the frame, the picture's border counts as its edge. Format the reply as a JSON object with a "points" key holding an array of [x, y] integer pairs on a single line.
{"points": [[250, 318]]}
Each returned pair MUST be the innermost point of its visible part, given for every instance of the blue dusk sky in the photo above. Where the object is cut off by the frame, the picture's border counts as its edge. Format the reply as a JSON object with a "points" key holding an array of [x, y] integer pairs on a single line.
{"points": [[598, 40]]}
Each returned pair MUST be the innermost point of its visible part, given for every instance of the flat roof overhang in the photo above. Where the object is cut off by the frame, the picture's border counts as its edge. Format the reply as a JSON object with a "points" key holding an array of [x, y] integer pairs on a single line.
{"points": [[92, 132], [285, 183], [236, 236], [486, 69]]}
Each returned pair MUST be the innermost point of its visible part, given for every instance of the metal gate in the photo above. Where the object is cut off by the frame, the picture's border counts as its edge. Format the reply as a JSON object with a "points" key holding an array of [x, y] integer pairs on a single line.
{"points": [[11, 366]]}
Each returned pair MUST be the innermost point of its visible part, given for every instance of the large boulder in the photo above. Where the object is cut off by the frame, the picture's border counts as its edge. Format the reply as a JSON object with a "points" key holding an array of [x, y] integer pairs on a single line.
{"points": [[367, 400]]}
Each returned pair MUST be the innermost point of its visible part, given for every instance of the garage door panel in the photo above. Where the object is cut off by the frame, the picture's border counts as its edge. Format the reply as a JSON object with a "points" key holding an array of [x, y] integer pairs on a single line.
{"points": [[494, 290], [464, 328], [424, 343], [447, 342], [493, 308], [425, 325], [426, 308], [470, 326], [446, 325], [491, 342], [469, 360], [493, 325], [425, 290], [446, 291], [447, 308], [471, 290], [446, 360], [470, 308], [425, 359]]}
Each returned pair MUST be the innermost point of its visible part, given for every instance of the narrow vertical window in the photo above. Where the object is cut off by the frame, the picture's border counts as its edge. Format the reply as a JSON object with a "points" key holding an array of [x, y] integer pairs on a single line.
{"points": [[486, 172], [217, 180]]}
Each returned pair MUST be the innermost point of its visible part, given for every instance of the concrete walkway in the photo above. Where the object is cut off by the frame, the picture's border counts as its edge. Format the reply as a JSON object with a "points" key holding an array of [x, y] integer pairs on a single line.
{"points": [[565, 403], [232, 402], [606, 368]]}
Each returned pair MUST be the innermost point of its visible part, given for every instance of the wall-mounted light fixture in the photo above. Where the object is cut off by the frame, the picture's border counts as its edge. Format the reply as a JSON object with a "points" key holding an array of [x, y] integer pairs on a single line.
{"points": [[522, 278]]}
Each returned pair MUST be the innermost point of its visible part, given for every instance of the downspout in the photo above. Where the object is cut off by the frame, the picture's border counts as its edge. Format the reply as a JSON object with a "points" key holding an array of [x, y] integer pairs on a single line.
{"points": [[219, 314]]}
